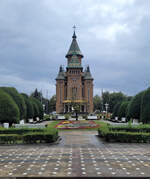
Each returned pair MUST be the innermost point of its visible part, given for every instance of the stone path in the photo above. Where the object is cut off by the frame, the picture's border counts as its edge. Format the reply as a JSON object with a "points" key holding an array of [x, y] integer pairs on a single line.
{"points": [[80, 153]]}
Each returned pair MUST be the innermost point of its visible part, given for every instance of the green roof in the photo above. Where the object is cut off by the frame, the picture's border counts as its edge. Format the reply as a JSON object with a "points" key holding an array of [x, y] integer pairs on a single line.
{"points": [[74, 48]]}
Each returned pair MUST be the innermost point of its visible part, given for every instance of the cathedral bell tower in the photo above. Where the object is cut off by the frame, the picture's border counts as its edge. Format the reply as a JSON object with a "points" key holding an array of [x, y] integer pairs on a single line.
{"points": [[74, 85]]}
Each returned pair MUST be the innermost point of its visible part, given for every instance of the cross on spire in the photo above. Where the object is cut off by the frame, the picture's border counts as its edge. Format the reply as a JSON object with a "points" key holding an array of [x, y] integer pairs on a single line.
{"points": [[74, 33], [74, 27]]}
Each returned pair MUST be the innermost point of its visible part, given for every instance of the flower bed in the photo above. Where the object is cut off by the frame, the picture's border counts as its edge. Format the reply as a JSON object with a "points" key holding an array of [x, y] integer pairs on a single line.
{"points": [[76, 125]]}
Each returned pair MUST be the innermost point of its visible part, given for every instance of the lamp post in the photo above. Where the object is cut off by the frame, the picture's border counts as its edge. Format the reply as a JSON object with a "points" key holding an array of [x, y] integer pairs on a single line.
{"points": [[44, 108], [75, 108]]}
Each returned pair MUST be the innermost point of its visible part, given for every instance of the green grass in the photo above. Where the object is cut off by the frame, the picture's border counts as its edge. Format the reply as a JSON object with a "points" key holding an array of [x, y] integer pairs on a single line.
{"points": [[53, 124], [100, 123]]}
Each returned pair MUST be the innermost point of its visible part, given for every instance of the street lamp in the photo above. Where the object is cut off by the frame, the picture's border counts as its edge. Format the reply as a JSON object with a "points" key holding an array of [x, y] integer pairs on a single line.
{"points": [[44, 108], [72, 108], [106, 105], [75, 109]]}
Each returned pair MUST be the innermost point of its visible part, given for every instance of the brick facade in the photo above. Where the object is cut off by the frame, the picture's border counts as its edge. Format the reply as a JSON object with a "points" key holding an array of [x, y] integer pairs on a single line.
{"points": [[74, 85]]}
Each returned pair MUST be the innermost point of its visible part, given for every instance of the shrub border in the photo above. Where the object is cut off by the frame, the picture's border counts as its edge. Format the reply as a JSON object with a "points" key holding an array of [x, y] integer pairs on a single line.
{"points": [[110, 135]]}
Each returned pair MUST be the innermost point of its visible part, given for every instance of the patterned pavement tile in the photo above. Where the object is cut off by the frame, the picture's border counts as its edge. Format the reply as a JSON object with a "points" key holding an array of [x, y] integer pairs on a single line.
{"points": [[80, 153]]}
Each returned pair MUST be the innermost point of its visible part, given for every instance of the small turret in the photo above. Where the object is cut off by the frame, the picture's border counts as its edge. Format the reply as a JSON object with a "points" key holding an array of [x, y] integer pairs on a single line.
{"points": [[61, 74], [87, 74]]}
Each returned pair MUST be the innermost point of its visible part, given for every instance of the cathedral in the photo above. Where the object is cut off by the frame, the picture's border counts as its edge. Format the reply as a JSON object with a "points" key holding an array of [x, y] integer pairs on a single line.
{"points": [[74, 84]]}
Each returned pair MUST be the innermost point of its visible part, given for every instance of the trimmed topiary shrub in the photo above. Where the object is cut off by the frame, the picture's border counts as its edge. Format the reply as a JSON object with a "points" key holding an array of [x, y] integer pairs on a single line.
{"points": [[125, 134], [9, 138], [145, 107], [29, 105], [9, 111], [123, 109], [35, 108], [40, 107], [18, 100], [134, 109], [116, 110], [28, 135]]}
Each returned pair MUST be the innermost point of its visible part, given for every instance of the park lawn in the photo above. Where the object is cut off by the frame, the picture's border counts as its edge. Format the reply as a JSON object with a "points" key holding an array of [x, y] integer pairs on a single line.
{"points": [[53, 124], [100, 122]]}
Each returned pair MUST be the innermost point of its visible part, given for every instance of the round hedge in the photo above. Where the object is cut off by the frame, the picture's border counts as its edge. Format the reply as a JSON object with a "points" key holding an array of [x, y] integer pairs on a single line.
{"points": [[35, 107], [134, 109], [116, 110], [30, 110], [18, 100], [9, 111], [123, 109], [145, 107], [39, 106]]}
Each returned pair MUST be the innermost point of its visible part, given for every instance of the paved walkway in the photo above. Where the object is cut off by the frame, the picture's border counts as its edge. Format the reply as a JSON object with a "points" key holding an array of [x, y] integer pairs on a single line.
{"points": [[80, 153]]}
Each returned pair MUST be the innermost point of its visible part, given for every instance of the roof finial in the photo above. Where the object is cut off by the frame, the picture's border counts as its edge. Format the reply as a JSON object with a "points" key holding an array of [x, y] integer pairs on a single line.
{"points": [[74, 27], [74, 34], [61, 68], [88, 68]]}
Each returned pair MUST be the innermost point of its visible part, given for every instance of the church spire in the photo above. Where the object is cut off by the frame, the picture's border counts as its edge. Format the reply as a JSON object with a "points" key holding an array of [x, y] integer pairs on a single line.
{"points": [[74, 48]]}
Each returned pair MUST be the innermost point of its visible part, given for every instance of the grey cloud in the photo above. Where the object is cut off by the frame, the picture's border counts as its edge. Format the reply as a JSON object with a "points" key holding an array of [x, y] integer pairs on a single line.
{"points": [[113, 36]]}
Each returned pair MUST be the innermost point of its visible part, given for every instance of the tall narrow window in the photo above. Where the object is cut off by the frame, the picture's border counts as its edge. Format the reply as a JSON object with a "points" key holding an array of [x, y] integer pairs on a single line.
{"points": [[65, 90], [74, 93], [83, 92], [88, 95], [60, 95]]}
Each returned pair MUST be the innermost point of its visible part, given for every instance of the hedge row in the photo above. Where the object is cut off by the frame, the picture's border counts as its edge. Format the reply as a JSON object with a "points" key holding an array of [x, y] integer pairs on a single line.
{"points": [[130, 129], [19, 131], [28, 138], [47, 135], [40, 137], [123, 136]]}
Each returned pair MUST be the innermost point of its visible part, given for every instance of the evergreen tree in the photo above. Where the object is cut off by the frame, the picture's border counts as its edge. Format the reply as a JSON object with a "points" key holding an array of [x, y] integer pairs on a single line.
{"points": [[134, 109], [9, 111], [116, 110], [38, 108], [123, 109], [114, 98], [35, 108], [52, 104], [97, 102], [145, 107], [36, 94], [18, 100], [30, 110]]}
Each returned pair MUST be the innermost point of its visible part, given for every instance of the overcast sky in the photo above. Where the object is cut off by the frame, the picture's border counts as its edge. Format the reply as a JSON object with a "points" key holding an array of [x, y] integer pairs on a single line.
{"points": [[113, 35]]}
